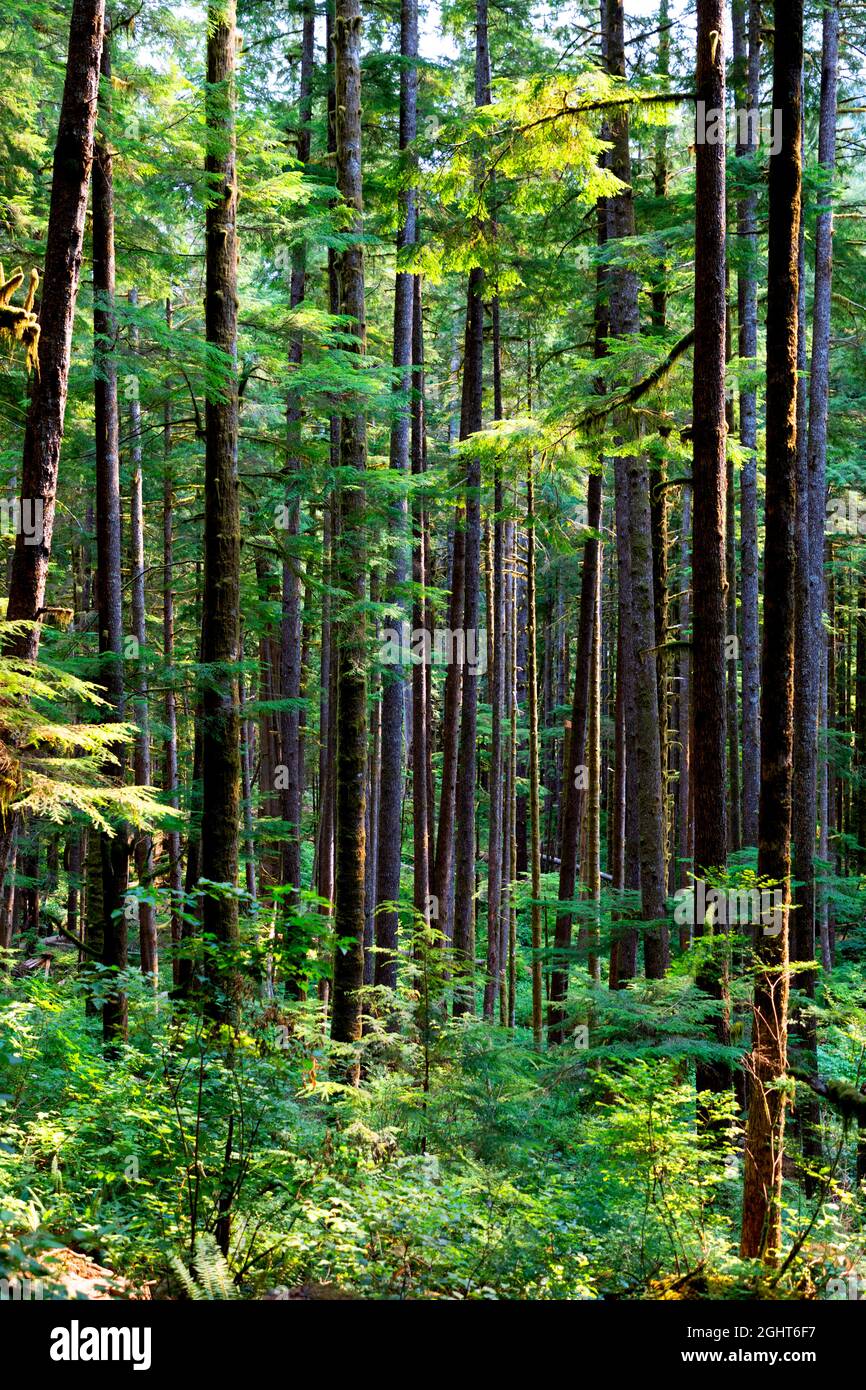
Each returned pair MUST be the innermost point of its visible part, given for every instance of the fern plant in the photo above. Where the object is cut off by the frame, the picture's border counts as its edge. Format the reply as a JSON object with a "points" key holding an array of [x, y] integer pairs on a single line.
{"points": [[209, 1278]]}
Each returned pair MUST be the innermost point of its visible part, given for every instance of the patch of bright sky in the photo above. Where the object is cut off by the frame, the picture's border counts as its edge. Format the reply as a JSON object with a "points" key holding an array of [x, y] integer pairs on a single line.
{"points": [[438, 47]]}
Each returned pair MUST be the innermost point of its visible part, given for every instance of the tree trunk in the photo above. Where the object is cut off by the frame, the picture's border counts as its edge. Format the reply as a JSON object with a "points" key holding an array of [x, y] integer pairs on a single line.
{"points": [[592, 871], [114, 848], [394, 678], [534, 803], [819, 390], [421, 712], [290, 635], [470, 423], [762, 1187], [575, 776], [633, 516], [709, 577], [73, 157], [810, 648], [496, 683], [143, 841], [684, 704], [220, 636], [747, 313], [170, 776], [351, 721], [573, 779]]}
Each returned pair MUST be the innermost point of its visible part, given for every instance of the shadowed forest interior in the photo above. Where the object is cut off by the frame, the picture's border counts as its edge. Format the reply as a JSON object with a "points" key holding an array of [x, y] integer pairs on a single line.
{"points": [[433, 649]]}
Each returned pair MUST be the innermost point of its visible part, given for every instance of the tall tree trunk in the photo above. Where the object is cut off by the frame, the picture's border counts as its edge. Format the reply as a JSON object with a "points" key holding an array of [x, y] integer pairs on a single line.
{"points": [[534, 802], [732, 660], [271, 770], [188, 968], [452, 700], [810, 648], [325, 869], [220, 636], [623, 314], [394, 678], [748, 97], [496, 679], [470, 423], [114, 848], [170, 775], [819, 390], [142, 765], [508, 964], [762, 1185], [574, 759], [575, 776], [247, 727], [291, 664], [351, 722], [324, 859], [684, 702], [592, 871], [421, 712], [633, 513], [709, 578], [73, 157]]}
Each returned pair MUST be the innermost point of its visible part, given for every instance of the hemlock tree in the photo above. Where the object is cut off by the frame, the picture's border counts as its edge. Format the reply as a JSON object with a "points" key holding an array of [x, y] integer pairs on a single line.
{"points": [[762, 1179], [351, 686], [709, 582], [220, 735]]}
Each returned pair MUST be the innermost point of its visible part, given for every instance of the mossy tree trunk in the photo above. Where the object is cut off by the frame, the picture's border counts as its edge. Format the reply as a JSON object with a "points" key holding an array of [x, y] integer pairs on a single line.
{"points": [[762, 1185], [114, 847], [709, 561], [391, 780], [350, 554], [220, 636], [73, 157]]}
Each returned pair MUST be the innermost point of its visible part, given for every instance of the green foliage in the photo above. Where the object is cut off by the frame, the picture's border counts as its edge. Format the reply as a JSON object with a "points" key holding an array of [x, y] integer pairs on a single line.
{"points": [[54, 768], [465, 1166]]}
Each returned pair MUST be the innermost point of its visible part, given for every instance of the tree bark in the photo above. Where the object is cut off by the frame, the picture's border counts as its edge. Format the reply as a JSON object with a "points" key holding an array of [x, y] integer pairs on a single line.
{"points": [[709, 566], [810, 648], [470, 423], [114, 848], [633, 519], [748, 97], [290, 634], [574, 780], [762, 1186], [496, 687], [421, 712], [170, 774], [351, 721], [220, 637], [394, 678], [143, 848], [73, 157], [534, 801]]}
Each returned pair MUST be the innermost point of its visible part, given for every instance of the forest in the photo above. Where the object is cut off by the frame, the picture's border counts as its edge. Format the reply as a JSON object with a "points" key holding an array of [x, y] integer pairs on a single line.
{"points": [[433, 650]]}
